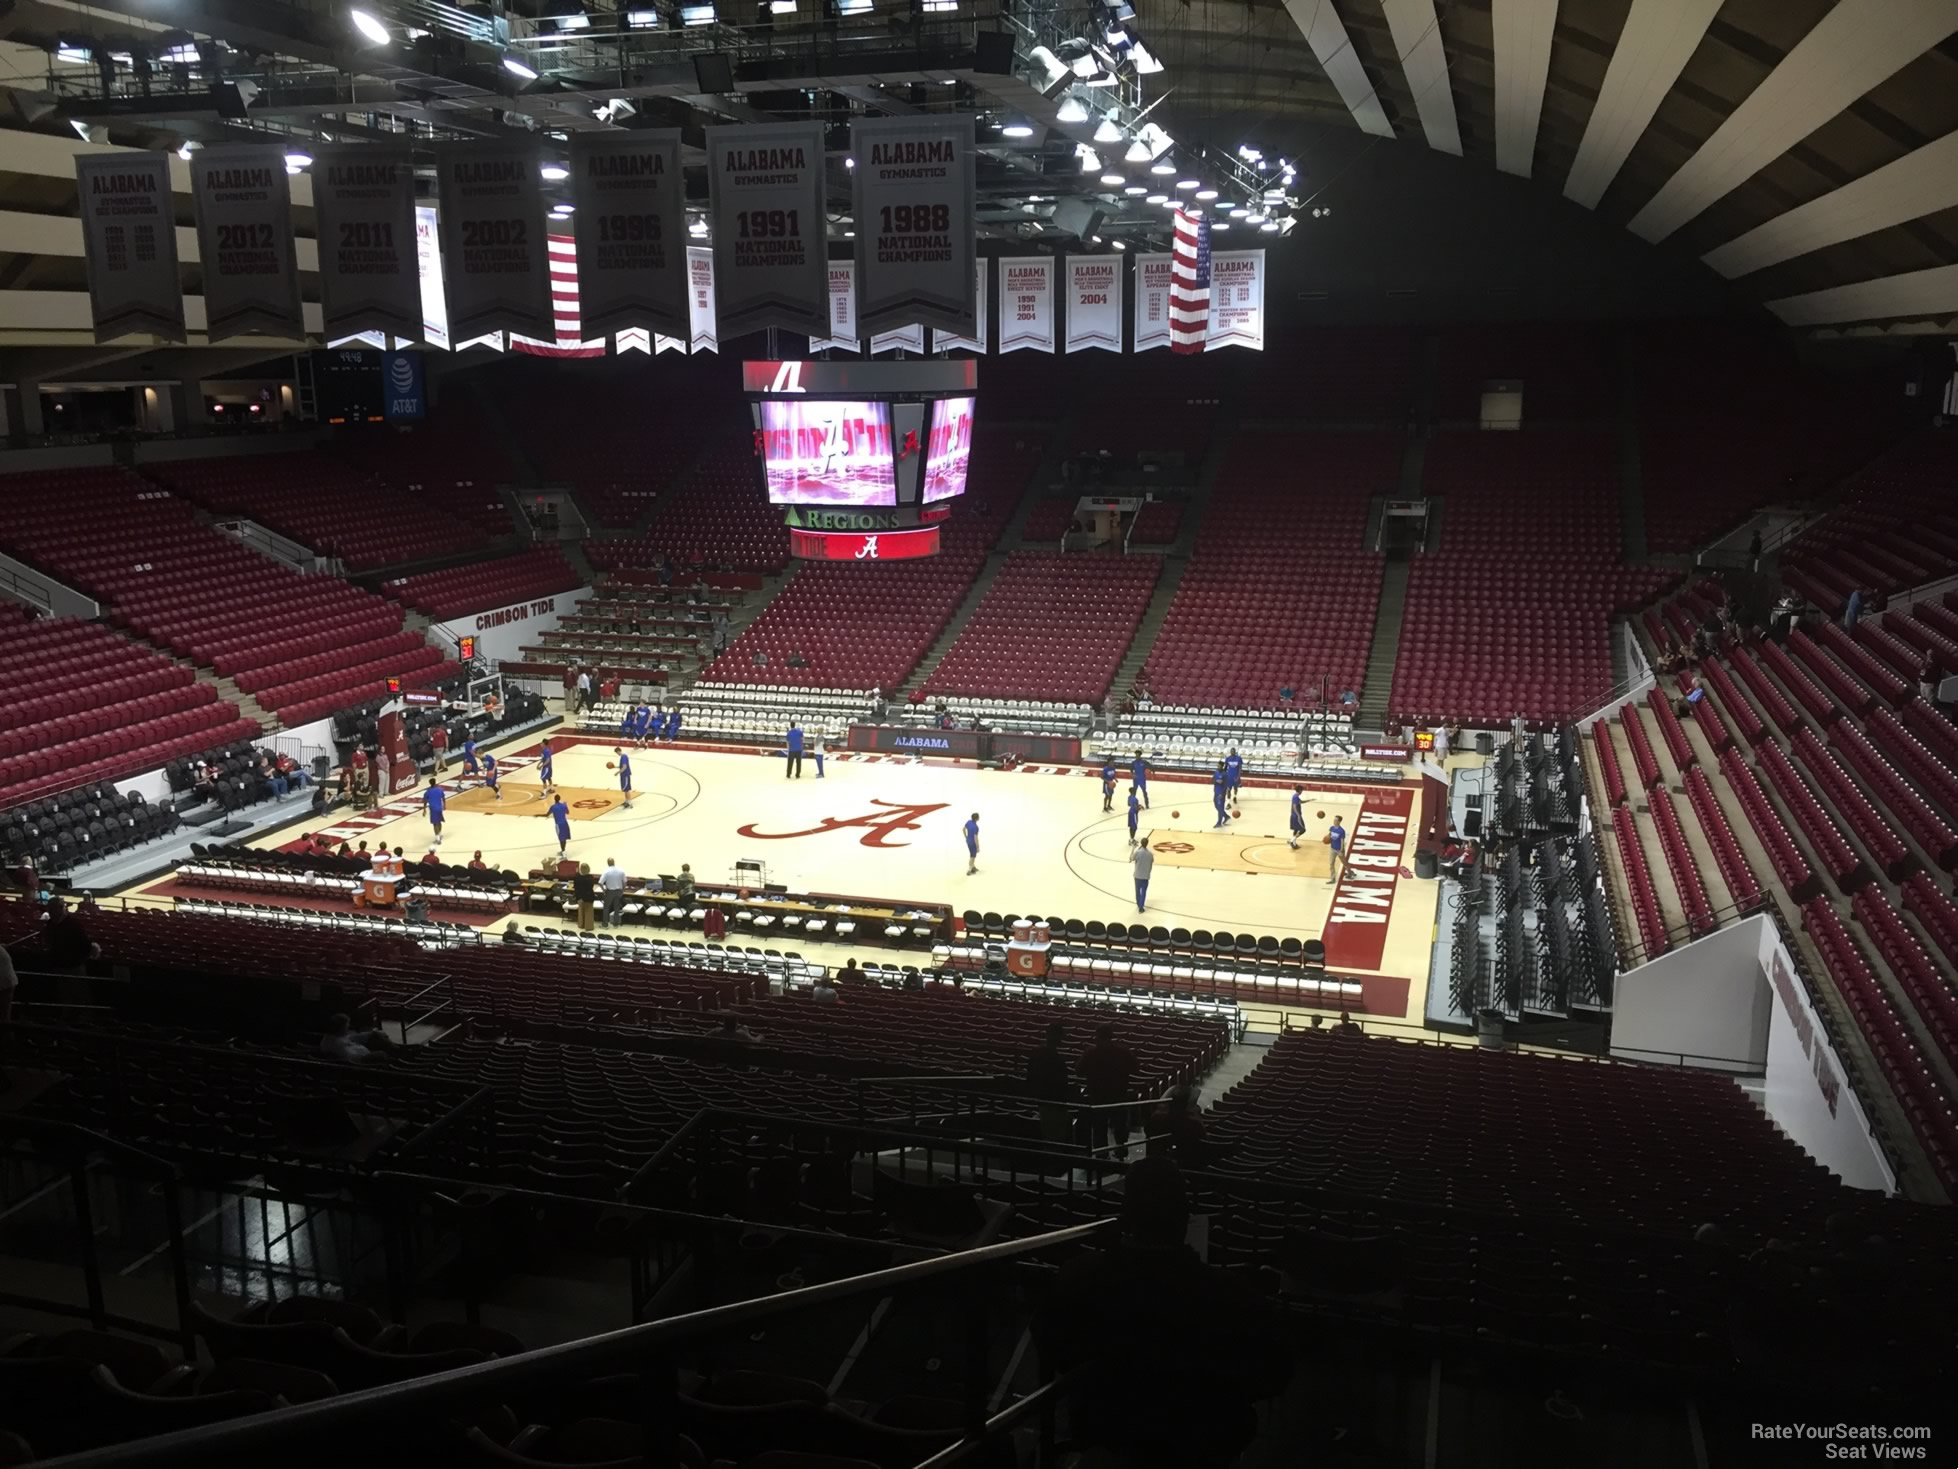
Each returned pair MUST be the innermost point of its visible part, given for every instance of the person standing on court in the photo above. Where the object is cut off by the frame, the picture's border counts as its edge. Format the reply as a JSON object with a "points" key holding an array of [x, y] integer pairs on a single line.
{"points": [[1233, 772], [1139, 775], [1220, 793], [972, 845], [1298, 816], [544, 771], [612, 881], [1145, 863], [584, 689], [624, 762], [560, 815], [1336, 839], [1135, 810], [1108, 782], [438, 743], [489, 776], [583, 890], [816, 749], [435, 798], [792, 767], [469, 766]]}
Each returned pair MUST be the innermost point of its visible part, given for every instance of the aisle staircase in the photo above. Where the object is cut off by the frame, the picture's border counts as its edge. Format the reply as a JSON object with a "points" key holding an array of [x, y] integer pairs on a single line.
{"points": [[1378, 685]]}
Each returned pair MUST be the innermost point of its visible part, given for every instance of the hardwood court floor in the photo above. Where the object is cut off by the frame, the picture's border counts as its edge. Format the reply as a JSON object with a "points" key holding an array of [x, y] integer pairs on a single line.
{"points": [[883, 827]]}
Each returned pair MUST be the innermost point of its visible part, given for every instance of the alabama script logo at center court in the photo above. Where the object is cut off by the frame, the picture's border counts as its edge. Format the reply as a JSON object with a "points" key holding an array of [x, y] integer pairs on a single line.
{"points": [[895, 817]]}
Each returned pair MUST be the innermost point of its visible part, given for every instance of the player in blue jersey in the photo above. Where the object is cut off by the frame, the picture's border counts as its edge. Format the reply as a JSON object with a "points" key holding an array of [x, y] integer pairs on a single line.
{"points": [[972, 845], [489, 776], [1220, 790], [673, 724], [642, 721], [469, 765], [1135, 810], [545, 771], [1233, 772], [629, 725], [1108, 783], [435, 798], [624, 763], [1139, 777], [1336, 839], [560, 815], [1298, 816]]}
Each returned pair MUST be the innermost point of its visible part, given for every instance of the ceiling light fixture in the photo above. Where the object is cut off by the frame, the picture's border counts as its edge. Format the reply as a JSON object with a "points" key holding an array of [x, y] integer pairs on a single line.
{"points": [[518, 68], [1016, 130], [1072, 112], [1162, 168], [1270, 226], [1187, 184], [1120, 246], [1107, 131], [555, 172], [1157, 199], [371, 27], [297, 159], [1219, 224], [1138, 152], [1135, 191], [1206, 194], [1112, 180]]}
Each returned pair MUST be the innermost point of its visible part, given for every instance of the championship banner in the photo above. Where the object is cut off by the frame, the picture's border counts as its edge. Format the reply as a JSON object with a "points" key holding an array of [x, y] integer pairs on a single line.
{"points": [[1237, 300], [496, 268], [244, 239], [129, 230], [631, 227], [914, 212], [1094, 302], [428, 266], [909, 338], [842, 310], [950, 341], [770, 226], [1151, 301], [703, 319], [370, 277], [1026, 305]]}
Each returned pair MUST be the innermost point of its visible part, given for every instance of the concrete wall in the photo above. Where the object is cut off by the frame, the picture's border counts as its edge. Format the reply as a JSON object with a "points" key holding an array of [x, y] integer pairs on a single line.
{"points": [[1705, 1004], [22, 583]]}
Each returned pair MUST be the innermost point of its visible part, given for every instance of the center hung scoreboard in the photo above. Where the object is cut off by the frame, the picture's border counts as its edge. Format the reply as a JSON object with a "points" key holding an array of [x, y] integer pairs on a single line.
{"points": [[866, 458]]}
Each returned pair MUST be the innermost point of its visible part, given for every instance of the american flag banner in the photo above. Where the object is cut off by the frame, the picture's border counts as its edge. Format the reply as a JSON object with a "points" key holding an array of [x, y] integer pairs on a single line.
{"points": [[564, 308], [1189, 284]]}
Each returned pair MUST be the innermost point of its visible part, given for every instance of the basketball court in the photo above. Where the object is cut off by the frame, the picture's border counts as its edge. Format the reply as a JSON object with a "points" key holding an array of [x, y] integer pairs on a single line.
{"points": [[884, 827]]}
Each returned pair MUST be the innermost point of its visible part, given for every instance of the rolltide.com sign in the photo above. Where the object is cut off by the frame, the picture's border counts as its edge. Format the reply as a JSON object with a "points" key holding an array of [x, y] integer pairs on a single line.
{"points": [[899, 545]]}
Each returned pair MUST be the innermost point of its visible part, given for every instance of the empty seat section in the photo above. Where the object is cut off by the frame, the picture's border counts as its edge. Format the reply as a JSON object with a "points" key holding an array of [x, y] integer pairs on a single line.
{"points": [[507, 580]]}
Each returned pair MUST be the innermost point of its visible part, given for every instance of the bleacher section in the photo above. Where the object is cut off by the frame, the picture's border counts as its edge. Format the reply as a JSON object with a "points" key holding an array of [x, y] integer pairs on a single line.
{"points": [[1279, 592], [1897, 528], [453, 463], [1051, 627], [1512, 615], [1565, 375], [85, 705], [715, 517], [324, 504], [303, 646], [482, 585]]}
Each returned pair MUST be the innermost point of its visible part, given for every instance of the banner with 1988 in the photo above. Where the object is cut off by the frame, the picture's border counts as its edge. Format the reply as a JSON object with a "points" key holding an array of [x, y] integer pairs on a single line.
{"points": [[913, 206]]}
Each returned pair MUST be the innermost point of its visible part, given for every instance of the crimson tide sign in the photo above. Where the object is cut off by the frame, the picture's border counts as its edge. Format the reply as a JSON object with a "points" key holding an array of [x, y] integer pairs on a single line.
{"points": [[900, 545], [914, 212], [771, 265]]}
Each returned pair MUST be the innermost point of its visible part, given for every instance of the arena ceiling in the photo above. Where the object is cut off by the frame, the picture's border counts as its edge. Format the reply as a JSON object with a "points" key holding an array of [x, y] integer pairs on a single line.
{"points": [[1804, 150]]}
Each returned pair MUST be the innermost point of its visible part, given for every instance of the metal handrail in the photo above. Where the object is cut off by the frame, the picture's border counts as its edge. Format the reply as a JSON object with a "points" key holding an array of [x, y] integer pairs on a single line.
{"points": [[587, 1357]]}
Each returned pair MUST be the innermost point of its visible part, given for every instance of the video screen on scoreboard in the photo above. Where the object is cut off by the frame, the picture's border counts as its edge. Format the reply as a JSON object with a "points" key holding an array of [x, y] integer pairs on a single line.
{"points": [[948, 453], [827, 453]]}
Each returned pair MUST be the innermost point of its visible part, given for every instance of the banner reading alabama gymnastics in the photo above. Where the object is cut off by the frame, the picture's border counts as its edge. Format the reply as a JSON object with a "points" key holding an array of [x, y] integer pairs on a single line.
{"points": [[370, 278], [703, 321], [914, 212], [842, 309], [631, 227], [496, 270], [1026, 305], [129, 230], [244, 240], [951, 341], [1237, 300], [1151, 301], [770, 260], [1094, 302]]}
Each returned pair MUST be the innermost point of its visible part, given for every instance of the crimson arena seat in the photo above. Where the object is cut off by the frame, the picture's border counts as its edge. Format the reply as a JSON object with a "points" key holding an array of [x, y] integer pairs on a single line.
{"points": [[88, 705], [717, 515], [1278, 592], [542, 572], [1051, 626], [1513, 614], [323, 504], [1897, 528], [1567, 374], [302, 645], [451, 463], [1157, 523]]}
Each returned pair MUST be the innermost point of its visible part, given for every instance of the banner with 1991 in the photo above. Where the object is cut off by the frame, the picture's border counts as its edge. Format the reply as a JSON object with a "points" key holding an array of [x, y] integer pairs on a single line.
{"points": [[914, 213], [771, 265]]}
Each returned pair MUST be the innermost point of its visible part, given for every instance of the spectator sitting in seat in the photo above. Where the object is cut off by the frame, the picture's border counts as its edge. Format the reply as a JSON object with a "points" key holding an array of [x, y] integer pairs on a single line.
{"points": [[796, 660], [477, 864], [825, 992], [343, 1043], [1125, 1317], [733, 1030], [683, 885], [850, 974]]}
